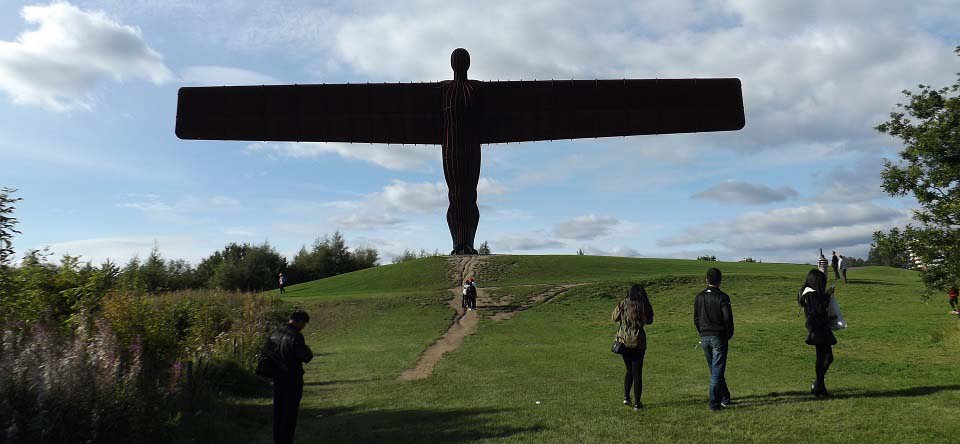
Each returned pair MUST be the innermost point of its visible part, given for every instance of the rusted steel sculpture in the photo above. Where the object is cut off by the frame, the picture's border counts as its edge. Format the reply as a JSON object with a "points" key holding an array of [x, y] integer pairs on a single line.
{"points": [[460, 115]]}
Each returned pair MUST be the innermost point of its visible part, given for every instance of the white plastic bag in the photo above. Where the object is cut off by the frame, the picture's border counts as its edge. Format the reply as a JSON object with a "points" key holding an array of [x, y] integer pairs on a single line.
{"points": [[837, 322]]}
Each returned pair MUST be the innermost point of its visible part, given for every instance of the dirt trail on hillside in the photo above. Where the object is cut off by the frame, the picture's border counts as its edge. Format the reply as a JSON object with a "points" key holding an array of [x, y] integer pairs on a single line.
{"points": [[465, 322]]}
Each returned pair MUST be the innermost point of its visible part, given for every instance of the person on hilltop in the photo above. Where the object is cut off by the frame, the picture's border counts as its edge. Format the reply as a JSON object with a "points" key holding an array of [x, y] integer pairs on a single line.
{"points": [[843, 267], [282, 280], [953, 300], [281, 359], [633, 312], [814, 297], [835, 261], [713, 317]]}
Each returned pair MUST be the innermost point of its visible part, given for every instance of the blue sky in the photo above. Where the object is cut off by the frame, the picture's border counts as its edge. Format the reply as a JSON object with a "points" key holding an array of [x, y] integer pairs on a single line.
{"points": [[88, 103]]}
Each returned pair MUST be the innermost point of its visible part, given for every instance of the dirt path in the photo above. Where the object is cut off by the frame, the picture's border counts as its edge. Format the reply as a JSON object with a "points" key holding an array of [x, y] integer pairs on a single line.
{"points": [[465, 322]]}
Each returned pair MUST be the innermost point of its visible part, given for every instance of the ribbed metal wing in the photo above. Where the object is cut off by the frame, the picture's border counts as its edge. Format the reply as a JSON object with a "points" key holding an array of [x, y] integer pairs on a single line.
{"points": [[573, 109], [365, 113], [410, 113]]}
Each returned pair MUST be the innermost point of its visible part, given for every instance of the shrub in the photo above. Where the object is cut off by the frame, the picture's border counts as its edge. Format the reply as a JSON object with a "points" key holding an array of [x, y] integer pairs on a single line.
{"points": [[131, 369]]}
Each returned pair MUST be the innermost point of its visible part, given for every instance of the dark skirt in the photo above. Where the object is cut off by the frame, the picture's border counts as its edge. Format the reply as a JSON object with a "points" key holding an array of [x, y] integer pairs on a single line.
{"points": [[821, 335]]}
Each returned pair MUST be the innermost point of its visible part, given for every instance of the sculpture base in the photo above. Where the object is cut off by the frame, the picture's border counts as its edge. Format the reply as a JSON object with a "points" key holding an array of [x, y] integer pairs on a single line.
{"points": [[457, 251]]}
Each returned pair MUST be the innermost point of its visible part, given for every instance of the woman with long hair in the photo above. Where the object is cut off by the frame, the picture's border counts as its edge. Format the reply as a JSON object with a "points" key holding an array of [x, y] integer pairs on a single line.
{"points": [[814, 297], [633, 312]]}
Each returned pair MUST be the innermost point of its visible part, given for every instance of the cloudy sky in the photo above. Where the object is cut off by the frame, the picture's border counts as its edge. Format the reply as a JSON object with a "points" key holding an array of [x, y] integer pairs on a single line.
{"points": [[88, 102]]}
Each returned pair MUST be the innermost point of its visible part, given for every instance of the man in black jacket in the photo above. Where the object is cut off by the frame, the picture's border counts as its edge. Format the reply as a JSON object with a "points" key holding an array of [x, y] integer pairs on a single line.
{"points": [[713, 318], [282, 359]]}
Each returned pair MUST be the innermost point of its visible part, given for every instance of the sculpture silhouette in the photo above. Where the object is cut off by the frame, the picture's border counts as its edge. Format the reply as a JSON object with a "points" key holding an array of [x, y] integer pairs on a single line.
{"points": [[460, 115]]}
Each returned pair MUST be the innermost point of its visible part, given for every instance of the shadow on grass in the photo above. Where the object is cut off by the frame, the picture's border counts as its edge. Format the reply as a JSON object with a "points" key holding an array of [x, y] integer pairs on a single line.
{"points": [[873, 282], [791, 397], [403, 426], [335, 382], [252, 423]]}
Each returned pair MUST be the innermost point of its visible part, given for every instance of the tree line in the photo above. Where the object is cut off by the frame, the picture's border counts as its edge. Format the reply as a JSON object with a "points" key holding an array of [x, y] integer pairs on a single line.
{"points": [[38, 285]]}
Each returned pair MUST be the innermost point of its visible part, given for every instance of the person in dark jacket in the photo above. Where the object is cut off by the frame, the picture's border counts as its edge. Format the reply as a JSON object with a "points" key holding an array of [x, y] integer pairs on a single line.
{"points": [[835, 261], [713, 317], [814, 297], [633, 312], [282, 359]]}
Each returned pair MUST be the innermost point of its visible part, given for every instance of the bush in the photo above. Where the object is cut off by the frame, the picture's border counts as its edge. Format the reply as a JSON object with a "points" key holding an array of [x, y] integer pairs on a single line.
{"points": [[409, 255], [77, 387], [131, 369]]}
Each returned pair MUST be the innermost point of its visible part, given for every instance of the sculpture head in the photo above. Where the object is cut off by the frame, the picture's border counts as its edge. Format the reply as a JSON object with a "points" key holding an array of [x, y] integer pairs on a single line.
{"points": [[460, 62]]}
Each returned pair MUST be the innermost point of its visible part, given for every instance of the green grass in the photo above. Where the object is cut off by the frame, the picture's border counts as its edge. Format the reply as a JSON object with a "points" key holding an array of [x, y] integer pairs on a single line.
{"points": [[421, 275], [896, 374]]}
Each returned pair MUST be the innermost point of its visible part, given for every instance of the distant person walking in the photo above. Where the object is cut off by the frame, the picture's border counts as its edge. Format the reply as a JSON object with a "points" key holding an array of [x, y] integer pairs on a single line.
{"points": [[282, 281], [843, 267], [469, 294], [814, 297], [953, 299], [713, 317], [822, 263], [633, 312], [836, 265], [281, 359]]}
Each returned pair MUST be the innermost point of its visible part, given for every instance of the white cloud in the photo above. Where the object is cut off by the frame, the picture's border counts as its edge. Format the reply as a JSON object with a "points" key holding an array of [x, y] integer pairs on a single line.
{"points": [[586, 227], [121, 249], [240, 232], [860, 182], [615, 251], [365, 221], [399, 198], [408, 197], [779, 230], [825, 80], [189, 209], [515, 243], [393, 157], [57, 65], [206, 75], [735, 191]]}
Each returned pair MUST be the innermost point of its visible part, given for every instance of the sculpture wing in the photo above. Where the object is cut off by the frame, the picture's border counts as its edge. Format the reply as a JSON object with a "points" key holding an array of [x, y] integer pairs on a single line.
{"points": [[573, 109], [366, 113]]}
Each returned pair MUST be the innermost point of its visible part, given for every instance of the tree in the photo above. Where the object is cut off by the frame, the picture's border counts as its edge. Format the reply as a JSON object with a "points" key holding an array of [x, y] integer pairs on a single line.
{"points": [[364, 258], [329, 256], [484, 248], [929, 127], [889, 249], [7, 230], [7, 222], [243, 267]]}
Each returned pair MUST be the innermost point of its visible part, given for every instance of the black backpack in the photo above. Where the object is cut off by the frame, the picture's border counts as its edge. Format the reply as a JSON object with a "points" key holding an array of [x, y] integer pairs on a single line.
{"points": [[269, 364]]}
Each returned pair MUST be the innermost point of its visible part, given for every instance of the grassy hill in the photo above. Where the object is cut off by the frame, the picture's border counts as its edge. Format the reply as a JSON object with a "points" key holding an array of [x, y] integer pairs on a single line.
{"points": [[896, 374]]}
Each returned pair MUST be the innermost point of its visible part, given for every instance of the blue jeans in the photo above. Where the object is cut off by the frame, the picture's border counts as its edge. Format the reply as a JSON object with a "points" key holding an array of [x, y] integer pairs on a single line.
{"points": [[715, 350]]}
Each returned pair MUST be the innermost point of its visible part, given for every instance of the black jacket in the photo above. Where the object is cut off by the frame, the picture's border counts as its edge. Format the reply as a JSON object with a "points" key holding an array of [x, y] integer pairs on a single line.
{"points": [[287, 351], [815, 307], [712, 314]]}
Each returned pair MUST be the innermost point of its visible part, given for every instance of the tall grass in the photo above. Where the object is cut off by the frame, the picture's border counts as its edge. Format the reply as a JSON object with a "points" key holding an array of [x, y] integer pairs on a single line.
{"points": [[129, 370]]}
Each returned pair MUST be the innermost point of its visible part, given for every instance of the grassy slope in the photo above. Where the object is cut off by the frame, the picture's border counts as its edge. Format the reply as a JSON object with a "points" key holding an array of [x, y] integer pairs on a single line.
{"points": [[896, 370], [423, 275]]}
